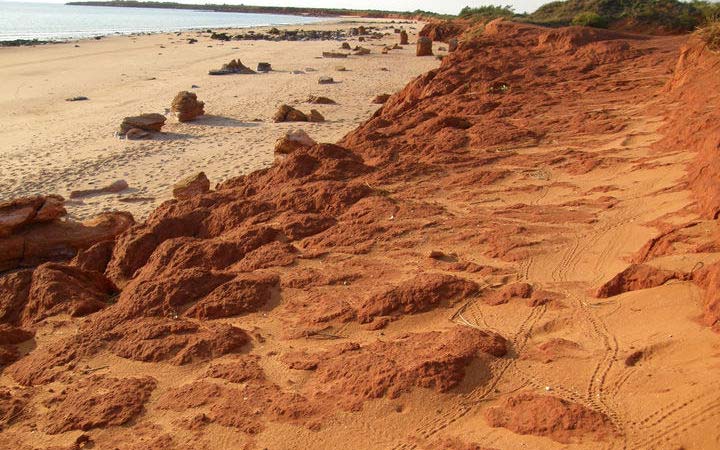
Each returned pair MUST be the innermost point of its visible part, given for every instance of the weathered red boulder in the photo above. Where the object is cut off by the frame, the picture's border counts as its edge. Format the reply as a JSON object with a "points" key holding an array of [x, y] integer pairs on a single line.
{"points": [[17, 213], [424, 47], [55, 239], [147, 122], [191, 186], [286, 113], [293, 141], [404, 40], [186, 106]]}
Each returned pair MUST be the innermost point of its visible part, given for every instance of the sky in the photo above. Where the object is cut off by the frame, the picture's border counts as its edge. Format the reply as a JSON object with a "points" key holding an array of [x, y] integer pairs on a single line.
{"points": [[441, 6]]}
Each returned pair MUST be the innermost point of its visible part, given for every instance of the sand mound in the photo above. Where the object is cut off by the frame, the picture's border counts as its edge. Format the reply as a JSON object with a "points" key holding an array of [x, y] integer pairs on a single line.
{"points": [[352, 374], [97, 402], [416, 295], [544, 415]]}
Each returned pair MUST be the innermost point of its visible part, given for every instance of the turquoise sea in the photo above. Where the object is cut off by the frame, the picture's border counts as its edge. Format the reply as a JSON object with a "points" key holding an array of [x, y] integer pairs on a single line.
{"points": [[47, 21]]}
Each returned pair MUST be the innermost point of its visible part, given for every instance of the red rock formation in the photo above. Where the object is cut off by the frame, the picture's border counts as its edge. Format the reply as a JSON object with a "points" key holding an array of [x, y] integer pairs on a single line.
{"points": [[191, 186], [443, 31], [635, 277], [709, 279], [147, 122], [31, 231], [424, 47], [186, 106]]}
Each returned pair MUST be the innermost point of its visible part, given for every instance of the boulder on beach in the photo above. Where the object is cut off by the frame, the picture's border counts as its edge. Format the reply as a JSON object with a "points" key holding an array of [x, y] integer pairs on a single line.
{"points": [[326, 80], [404, 39], [191, 186], [345, 46], [112, 188], [424, 46], [233, 67], [361, 51], [292, 141], [315, 116], [320, 100], [287, 113], [381, 99], [78, 98], [186, 107], [264, 67], [147, 122]]}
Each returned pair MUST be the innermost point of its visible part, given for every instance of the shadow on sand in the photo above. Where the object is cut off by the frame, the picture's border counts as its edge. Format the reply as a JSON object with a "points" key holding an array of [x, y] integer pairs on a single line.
{"points": [[220, 121]]}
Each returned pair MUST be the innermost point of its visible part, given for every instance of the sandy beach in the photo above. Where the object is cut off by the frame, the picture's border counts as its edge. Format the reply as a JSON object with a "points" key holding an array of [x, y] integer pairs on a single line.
{"points": [[53, 146]]}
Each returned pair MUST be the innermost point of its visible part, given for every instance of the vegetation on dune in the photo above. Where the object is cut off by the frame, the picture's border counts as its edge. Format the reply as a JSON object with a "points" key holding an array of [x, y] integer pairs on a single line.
{"points": [[670, 15], [487, 12], [710, 33], [667, 15]]}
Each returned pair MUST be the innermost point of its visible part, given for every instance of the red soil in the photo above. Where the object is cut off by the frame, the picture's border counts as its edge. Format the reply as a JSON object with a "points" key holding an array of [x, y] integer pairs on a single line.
{"points": [[544, 415]]}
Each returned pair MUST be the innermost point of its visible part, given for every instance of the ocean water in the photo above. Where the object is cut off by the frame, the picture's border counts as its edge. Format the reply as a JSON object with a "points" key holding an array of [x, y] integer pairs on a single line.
{"points": [[46, 21]]}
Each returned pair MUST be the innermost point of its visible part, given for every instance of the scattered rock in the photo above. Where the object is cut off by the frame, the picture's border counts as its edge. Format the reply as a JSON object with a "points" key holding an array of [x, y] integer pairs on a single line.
{"points": [[287, 113], [345, 46], [78, 98], [360, 51], [381, 99], [404, 40], [315, 116], [452, 45], [326, 80], [264, 67], [292, 141], [233, 67], [147, 122], [191, 186], [112, 188], [424, 47], [319, 100], [186, 107], [135, 134], [340, 68]]}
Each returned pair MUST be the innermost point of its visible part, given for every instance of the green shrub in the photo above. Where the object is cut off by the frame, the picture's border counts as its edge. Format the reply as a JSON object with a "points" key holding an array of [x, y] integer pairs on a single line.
{"points": [[590, 19], [487, 12]]}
